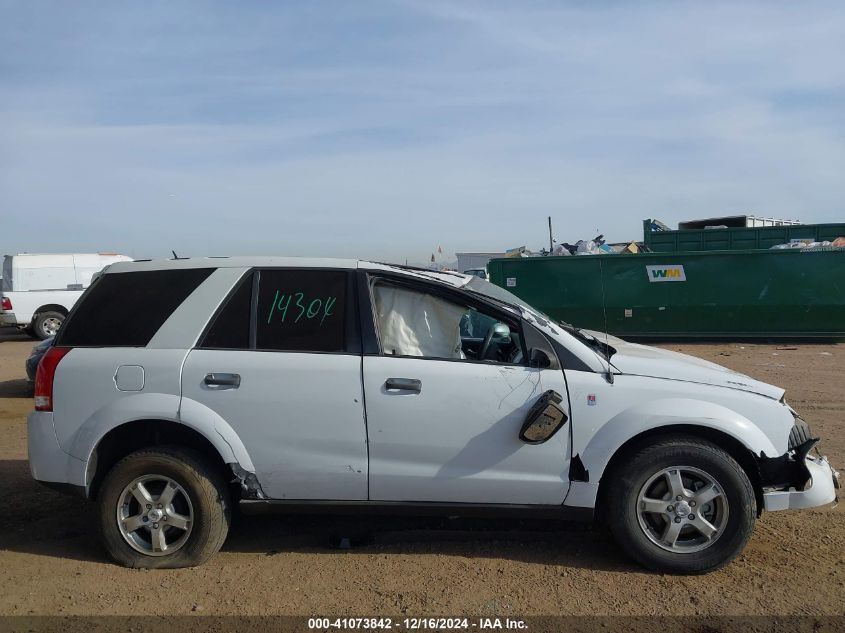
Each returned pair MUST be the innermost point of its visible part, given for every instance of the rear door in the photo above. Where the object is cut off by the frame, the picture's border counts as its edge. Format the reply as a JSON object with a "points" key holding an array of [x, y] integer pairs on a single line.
{"points": [[281, 364]]}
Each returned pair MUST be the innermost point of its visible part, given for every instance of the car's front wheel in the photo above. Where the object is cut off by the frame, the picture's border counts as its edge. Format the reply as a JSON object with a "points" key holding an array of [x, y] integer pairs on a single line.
{"points": [[163, 507], [680, 505]]}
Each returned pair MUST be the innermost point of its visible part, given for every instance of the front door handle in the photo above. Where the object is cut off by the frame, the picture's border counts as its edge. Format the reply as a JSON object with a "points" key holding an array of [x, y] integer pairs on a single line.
{"points": [[403, 384], [223, 381]]}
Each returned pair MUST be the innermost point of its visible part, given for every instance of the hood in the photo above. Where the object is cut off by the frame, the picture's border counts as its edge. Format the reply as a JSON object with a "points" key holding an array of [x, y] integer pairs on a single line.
{"points": [[642, 360]]}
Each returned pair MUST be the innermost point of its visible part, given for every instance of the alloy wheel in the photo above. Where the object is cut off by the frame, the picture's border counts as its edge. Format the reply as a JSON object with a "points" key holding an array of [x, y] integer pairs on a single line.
{"points": [[682, 509], [155, 515]]}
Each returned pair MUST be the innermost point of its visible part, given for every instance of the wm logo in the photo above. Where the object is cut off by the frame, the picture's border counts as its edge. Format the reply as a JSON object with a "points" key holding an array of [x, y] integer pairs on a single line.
{"points": [[674, 272]]}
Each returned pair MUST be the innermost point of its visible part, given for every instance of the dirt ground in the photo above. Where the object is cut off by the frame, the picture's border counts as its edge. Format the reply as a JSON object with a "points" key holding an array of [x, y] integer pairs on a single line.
{"points": [[51, 562]]}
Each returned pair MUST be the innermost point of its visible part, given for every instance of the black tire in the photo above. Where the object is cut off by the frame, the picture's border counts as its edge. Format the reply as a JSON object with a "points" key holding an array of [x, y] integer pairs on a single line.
{"points": [[621, 506], [204, 485], [43, 321]]}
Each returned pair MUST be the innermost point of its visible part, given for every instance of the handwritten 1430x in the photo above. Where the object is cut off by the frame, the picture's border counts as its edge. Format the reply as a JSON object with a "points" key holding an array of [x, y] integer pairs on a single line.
{"points": [[300, 308]]}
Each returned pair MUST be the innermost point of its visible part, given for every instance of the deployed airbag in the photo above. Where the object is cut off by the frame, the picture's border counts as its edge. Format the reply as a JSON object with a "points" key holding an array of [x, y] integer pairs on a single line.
{"points": [[417, 324]]}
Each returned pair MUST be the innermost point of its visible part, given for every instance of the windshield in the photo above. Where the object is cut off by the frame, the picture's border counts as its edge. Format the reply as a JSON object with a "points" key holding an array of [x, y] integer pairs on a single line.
{"points": [[492, 291], [497, 293]]}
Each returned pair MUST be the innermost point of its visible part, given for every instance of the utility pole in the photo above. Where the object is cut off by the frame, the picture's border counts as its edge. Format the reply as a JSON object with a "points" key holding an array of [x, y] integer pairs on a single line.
{"points": [[551, 241]]}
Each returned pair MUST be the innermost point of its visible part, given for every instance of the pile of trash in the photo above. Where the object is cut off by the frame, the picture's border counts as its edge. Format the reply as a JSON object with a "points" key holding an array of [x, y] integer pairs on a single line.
{"points": [[595, 246], [811, 245]]}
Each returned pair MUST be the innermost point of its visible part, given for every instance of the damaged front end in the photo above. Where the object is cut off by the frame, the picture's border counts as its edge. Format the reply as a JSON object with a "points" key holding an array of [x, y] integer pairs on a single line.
{"points": [[796, 479], [250, 486]]}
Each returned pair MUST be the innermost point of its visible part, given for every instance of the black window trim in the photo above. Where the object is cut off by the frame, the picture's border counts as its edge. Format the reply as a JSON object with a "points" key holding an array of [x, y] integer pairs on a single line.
{"points": [[352, 325]]}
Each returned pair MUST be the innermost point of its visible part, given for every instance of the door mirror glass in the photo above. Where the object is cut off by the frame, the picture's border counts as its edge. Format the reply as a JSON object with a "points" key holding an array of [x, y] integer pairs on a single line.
{"points": [[539, 359], [497, 333], [544, 419], [501, 331]]}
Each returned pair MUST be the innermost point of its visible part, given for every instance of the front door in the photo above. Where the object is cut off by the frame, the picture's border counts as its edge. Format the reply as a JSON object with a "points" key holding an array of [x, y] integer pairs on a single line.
{"points": [[445, 402]]}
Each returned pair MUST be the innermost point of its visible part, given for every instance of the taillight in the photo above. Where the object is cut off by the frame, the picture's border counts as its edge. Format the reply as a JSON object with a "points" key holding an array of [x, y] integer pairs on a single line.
{"points": [[5, 303], [44, 377]]}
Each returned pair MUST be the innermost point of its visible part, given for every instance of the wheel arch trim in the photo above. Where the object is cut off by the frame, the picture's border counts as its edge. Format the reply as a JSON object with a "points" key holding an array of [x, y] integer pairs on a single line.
{"points": [[641, 420], [657, 418], [160, 408]]}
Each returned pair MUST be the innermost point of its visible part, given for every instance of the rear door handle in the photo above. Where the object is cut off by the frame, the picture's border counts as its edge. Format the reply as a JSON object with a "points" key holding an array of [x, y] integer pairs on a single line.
{"points": [[403, 384], [223, 381]]}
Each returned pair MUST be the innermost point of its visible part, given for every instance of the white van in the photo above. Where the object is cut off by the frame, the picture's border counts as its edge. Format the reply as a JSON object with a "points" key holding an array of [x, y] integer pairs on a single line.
{"points": [[38, 290]]}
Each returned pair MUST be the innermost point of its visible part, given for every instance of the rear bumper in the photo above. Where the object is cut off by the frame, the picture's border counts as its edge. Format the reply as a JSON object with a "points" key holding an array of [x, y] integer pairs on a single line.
{"points": [[8, 318], [48, 463], [822, 490]]}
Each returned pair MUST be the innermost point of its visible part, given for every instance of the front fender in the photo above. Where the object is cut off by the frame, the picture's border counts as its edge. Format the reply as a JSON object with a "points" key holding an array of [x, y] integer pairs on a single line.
{"points": [[602, 445]]}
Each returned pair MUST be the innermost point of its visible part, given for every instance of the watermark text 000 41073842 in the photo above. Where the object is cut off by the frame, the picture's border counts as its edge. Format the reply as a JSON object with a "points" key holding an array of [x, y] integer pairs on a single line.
{"points": [[538, 624]]}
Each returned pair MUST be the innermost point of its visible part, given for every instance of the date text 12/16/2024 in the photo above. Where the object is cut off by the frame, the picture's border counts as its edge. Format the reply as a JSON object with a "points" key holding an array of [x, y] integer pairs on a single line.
{"points": [[414, 624]]}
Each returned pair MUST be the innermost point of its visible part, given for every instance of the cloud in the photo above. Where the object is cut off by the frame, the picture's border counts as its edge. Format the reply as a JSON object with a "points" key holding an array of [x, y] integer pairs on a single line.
{"points": [[383, 129]]}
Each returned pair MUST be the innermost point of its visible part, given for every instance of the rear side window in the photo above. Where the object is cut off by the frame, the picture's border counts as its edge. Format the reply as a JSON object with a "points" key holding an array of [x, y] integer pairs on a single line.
{"points": [[231, 327], [127, 309], [302, 310]]}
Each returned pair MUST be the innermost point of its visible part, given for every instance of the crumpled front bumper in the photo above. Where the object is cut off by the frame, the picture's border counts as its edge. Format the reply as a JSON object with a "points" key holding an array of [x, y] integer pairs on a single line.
{"points": [[822, 489]]}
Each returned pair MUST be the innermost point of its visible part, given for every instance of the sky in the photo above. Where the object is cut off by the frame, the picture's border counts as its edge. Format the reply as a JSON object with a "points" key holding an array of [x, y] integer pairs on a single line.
{"points": [[383, 130]]}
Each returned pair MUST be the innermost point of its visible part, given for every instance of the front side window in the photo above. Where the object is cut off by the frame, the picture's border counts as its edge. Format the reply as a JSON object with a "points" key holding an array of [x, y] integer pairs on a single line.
{"points": [[301, 310], [415, 323]]}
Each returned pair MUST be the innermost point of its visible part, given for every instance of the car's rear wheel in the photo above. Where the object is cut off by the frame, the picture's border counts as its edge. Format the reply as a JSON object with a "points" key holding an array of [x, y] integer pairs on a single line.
{"points": [[163, 507], [47, 324], [680, 505]]}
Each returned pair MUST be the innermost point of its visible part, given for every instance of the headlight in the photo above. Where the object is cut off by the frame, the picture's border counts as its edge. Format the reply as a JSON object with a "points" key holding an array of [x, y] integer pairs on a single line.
{"points": [[799, 433]]}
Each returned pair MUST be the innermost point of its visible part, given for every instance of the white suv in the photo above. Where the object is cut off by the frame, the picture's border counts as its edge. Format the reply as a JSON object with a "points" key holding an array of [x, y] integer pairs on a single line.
{"points": [[179, 387]]}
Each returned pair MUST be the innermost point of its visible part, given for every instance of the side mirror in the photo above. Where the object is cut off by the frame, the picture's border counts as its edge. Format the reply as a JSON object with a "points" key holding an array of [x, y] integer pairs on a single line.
{"points": [[500, 330], [539, 358], [544, 419]]}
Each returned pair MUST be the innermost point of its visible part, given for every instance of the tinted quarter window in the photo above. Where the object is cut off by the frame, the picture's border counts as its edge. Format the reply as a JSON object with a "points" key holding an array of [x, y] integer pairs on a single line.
{"points": [[230, 329], [301, 310], [127, 309]]}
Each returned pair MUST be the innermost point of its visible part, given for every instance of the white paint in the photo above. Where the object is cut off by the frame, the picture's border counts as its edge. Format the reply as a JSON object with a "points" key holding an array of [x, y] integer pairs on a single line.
{"points": [[457, 440], [299, 416]]}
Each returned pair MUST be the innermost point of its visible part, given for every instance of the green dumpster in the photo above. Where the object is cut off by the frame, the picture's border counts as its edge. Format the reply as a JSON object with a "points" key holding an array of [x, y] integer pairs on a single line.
{"points": [[718, 294], [736, 238]]}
